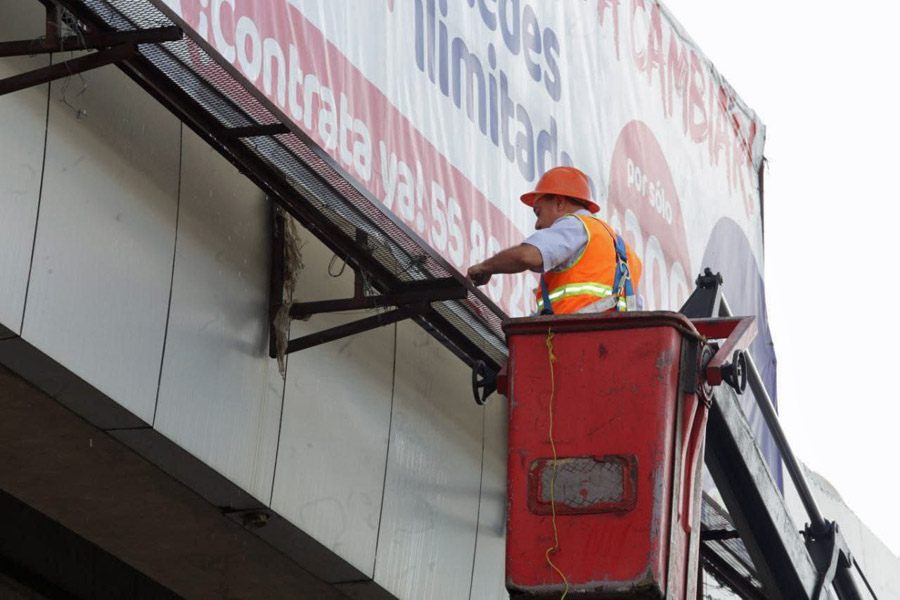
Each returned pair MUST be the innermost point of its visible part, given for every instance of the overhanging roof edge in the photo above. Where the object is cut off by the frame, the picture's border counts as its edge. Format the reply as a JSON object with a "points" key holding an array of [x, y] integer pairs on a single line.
{"points": [[459, 325], [161, 6]]}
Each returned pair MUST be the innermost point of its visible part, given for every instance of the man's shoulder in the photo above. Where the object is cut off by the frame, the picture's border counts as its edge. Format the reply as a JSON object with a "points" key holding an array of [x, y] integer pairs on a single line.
{"points": [[569, 221], [589, 220]]}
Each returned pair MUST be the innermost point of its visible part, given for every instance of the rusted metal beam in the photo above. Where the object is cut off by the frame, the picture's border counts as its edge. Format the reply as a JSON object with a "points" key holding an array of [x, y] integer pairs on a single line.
{"points": [[88, 41], [412, 299], [70, 67], [54, 25], [342, 331], [436, 290], [276, 276]]}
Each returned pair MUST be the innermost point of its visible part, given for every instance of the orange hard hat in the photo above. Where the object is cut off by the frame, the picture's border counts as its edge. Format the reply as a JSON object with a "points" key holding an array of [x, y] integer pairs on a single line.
{"points": [[563, 181]]}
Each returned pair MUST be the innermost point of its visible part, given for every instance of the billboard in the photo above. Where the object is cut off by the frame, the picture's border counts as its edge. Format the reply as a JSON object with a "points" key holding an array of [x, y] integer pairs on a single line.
{"points": [[447, 111]]}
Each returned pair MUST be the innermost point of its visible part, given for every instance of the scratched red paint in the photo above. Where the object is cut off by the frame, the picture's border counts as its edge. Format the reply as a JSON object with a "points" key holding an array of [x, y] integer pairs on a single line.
{"points": [[626, 404]]}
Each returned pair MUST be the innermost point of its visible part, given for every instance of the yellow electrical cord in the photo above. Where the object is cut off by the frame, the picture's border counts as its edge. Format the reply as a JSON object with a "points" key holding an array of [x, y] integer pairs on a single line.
{"points": [[555, 547]]}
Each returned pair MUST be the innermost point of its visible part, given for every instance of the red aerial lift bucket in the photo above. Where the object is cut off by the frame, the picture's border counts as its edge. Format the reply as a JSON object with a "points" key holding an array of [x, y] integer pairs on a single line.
{"points": [[607, 417]]}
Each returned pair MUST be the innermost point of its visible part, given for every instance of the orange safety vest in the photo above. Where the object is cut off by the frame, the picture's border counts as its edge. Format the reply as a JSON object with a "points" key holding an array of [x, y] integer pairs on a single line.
{"points": [[591, 277]]}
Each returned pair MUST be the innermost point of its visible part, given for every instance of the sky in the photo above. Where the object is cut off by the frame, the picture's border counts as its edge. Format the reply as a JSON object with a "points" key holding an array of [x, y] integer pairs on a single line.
{"points": [[824, 79]]}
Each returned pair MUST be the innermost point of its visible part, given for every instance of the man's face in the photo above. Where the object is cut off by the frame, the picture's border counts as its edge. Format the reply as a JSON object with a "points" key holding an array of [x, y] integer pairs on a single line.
{"points": [[547, 209]]}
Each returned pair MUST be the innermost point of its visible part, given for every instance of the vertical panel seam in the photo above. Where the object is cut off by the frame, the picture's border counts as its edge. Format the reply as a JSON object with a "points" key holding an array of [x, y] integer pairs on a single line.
{"points": [[37, 215], [162, 358], [278, 438], [480, 492], [287, 362], [387, 453]]}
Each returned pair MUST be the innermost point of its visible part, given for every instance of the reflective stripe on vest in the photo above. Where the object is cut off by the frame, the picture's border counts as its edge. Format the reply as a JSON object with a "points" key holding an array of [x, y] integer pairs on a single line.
{"points": [[598, 290], [590, 278]]}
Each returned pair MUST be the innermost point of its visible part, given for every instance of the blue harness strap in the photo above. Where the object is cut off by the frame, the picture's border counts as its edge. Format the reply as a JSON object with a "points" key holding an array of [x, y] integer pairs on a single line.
{"points": [[545, 292], [622, 272], [622, 279]]}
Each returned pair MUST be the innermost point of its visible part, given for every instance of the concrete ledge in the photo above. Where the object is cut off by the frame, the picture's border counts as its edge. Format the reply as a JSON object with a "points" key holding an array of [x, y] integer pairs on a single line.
{"points": [[297, 545], [186, 468], [102, 491], [64, 386]]}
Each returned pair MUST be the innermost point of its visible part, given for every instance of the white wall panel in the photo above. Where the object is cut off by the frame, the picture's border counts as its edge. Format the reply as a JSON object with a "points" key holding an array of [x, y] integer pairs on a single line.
{"points": [[427, 539], [490, 551], [334, 435], [105, 237], [23, 119], [220, 393]]}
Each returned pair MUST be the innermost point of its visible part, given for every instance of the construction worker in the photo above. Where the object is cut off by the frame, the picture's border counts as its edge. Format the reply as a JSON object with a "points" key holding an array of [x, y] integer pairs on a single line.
{"points": [[585, 266]]}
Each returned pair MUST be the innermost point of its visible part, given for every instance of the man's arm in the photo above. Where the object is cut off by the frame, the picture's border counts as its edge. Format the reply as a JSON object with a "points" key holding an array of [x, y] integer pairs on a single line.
{"points": [[512, 260]]}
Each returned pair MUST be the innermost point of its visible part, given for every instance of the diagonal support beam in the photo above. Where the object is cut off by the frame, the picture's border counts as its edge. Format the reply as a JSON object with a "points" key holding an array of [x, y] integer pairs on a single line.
{"points": [[70, 67], [434, 291], [412, 299], [336, 333], [88, 41]]}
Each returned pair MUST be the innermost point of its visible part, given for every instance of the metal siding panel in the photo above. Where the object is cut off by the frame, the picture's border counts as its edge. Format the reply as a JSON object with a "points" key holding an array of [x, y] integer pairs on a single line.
{"points": [[220, 393], [334, 433], [427, 539], [488, 578], [103, 254], [23, 118]]}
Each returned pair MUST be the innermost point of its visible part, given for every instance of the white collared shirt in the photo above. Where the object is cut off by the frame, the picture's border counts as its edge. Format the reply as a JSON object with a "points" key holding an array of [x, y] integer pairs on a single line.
{"points": [[561, 243]]}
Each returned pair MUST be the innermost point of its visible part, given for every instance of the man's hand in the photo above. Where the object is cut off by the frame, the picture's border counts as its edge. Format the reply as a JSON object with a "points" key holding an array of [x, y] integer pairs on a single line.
{"points": [[512, 260], [479, 274]]}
